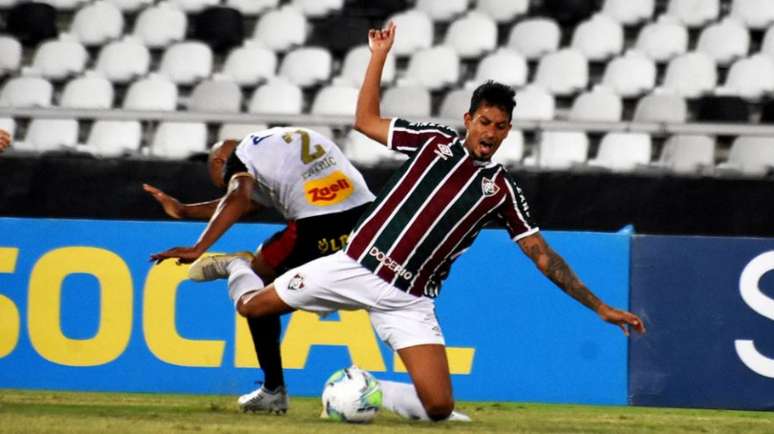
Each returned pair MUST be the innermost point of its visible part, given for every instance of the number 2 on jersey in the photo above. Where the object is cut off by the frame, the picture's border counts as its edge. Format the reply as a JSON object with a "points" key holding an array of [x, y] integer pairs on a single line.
{"points": [[306, 155]]}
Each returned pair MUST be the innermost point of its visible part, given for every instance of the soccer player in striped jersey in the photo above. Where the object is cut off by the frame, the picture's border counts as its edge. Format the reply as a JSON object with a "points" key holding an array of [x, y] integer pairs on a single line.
{"points": [[404, 244]]}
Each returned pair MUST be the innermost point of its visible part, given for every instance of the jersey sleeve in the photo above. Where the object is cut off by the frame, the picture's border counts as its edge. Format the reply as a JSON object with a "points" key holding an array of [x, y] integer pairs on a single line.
{"points": [[408, 137], [515, 212]]}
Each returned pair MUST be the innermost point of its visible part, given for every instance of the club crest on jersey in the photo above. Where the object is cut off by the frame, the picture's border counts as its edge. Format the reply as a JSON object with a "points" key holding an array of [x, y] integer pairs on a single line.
{"points": [[296, 283], [330, 190], [488, 187], [443, 151]]}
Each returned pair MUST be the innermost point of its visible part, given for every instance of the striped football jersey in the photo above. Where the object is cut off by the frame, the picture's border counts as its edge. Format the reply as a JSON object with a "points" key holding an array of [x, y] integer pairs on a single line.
{"points": [[433, 208]]}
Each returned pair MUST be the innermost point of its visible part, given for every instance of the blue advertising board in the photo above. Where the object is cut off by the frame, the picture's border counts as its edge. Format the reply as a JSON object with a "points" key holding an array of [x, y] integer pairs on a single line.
{"points": [[82, 308], [709, 304]]}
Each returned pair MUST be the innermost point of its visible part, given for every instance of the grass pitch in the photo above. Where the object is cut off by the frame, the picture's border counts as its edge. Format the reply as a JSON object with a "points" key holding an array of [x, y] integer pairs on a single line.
{"points": [[67, 412]]}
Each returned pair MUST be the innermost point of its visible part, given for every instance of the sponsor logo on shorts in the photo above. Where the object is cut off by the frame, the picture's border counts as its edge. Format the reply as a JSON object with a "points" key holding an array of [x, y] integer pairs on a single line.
{"points": [[390, 263], [296, 283], [332, 189], [488, 187]]}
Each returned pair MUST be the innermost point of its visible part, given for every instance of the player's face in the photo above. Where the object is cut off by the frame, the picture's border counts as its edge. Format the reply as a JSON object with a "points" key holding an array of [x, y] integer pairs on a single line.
{"points": [[487, 128]]}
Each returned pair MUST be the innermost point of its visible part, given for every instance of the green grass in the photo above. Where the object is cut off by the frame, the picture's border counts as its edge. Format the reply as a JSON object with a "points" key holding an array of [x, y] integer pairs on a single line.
{"points": [[69, 412]]}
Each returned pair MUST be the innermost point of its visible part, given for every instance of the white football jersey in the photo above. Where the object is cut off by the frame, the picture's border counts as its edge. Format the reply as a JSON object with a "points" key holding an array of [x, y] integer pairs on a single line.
{"points": [[301, 173]]}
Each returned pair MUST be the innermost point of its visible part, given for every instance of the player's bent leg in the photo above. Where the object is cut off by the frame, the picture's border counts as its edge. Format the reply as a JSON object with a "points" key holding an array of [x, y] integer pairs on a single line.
{"points": [[262, 268], [429, 370], [262, 302]]}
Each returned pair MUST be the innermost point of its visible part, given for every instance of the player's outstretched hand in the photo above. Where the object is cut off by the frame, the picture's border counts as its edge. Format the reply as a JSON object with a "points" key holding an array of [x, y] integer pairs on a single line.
{"points": [[381, 40], [622, 319], [5, 140], [184, 255], [171, 206]]}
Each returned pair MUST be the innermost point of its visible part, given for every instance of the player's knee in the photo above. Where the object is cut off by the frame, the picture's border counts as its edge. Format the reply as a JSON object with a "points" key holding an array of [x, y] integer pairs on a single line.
{"points": [[440, 410], [247, 309]]}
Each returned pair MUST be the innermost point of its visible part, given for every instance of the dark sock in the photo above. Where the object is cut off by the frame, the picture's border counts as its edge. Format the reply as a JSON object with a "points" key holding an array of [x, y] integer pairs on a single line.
{"points": [[266, 339]]}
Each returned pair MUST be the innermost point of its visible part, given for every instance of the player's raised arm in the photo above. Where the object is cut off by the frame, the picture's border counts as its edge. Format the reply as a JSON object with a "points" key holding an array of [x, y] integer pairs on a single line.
{"points": [[368, 118], [556, 269]]}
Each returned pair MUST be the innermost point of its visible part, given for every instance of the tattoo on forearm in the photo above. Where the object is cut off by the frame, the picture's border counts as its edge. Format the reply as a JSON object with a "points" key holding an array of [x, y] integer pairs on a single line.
{"points": [[560, 273]]}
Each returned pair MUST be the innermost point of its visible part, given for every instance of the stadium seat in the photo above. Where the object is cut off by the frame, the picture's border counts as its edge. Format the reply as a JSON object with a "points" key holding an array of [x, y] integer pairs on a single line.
{"points": [[725, 41], [26, 91], [220, 27], [124, 60], [281, 29], [340, 33], [277, 96], [367, 153], [416, 32], [663, 40], [112, 139], [65, 5], [318, 8], [442, 10], [9, 125], [161, 25], [661, 107], [97, 23], [472, 35], [238, 131], [179, 140], [32, 22], [335, 100], [193, 6], [61, 58], [569, 12], [694, 13], [10, 54], [559, 150], [44, 135], [563, 73], [754, 14], [630, 75], [154, 92], [252, 7], [219, 94], [505, 66], [503, 11], [629, 12], [623, 152], [91, 91], [688, 153], [455, 104], [599, 38], [306, 66], [250, 64], [187, 62], [534, 103], [355, 64], [750, 155], [691, 74], [751, 78], [406, 102], [131, 6], [722, 108], [511, 150], [600, 104], [767, 45], [535, 37], [433, 68]]}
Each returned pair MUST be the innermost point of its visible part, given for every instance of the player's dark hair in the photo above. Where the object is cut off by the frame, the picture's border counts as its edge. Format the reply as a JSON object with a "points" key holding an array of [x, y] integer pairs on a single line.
{"points": [[494, 94]]}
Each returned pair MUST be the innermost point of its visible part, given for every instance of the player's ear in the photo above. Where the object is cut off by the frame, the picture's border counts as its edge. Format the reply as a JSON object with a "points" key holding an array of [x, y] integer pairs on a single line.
{"points": [[468, 118]]}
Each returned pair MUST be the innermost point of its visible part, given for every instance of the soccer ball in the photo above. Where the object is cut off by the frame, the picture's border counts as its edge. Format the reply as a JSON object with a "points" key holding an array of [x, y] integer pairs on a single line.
{"points": [[351, 395]]}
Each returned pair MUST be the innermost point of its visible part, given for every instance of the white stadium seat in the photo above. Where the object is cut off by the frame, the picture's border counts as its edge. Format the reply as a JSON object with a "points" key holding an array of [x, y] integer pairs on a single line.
{"points": [[535, 37], [58, 59], [750, 155], [503, 11], [456, 103], [663, 40], [161, 25], [187, 62], [754, 14], [691, 74], [219, 94], [600, 104], [355, 64], [123, 61], [511, 150], [694, 13], [442, 10], [65, 5], [534, 103], [97, 23], [318, 8], [751, 78], [114, 138], [406, 102], [10, 54], [630, 75], [688, 153], [433, 68], [92, 91], [250, 64], [45, 135], [335, 100], [281, 29], [505, 66], [238, 131], [623, 152], [9, 125], [559, 150], [26, 91], [472, 35], [277, 96], [364, 152], [416, 32], [661, 107], [563, 73], [629, 12], [306, 66], [598, 38], [155, 92], [179, 140], [725, 41]]}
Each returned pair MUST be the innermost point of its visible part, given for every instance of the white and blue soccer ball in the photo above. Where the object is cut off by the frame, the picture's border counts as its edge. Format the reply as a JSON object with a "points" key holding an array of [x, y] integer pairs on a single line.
{"points": [[351, 395]]}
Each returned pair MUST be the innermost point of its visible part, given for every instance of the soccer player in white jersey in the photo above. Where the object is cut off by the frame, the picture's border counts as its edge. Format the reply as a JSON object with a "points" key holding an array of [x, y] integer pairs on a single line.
{"points": [[307, 178], [5, 139], [403, 246]]}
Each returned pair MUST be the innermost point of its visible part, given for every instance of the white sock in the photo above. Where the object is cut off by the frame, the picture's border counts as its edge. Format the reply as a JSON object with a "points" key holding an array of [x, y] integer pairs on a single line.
{"points": [[402, 398], [241, 280]]}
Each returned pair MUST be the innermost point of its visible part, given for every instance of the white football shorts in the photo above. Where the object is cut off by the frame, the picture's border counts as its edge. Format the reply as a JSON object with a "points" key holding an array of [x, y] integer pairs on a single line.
{"points": [[338, 282]]}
